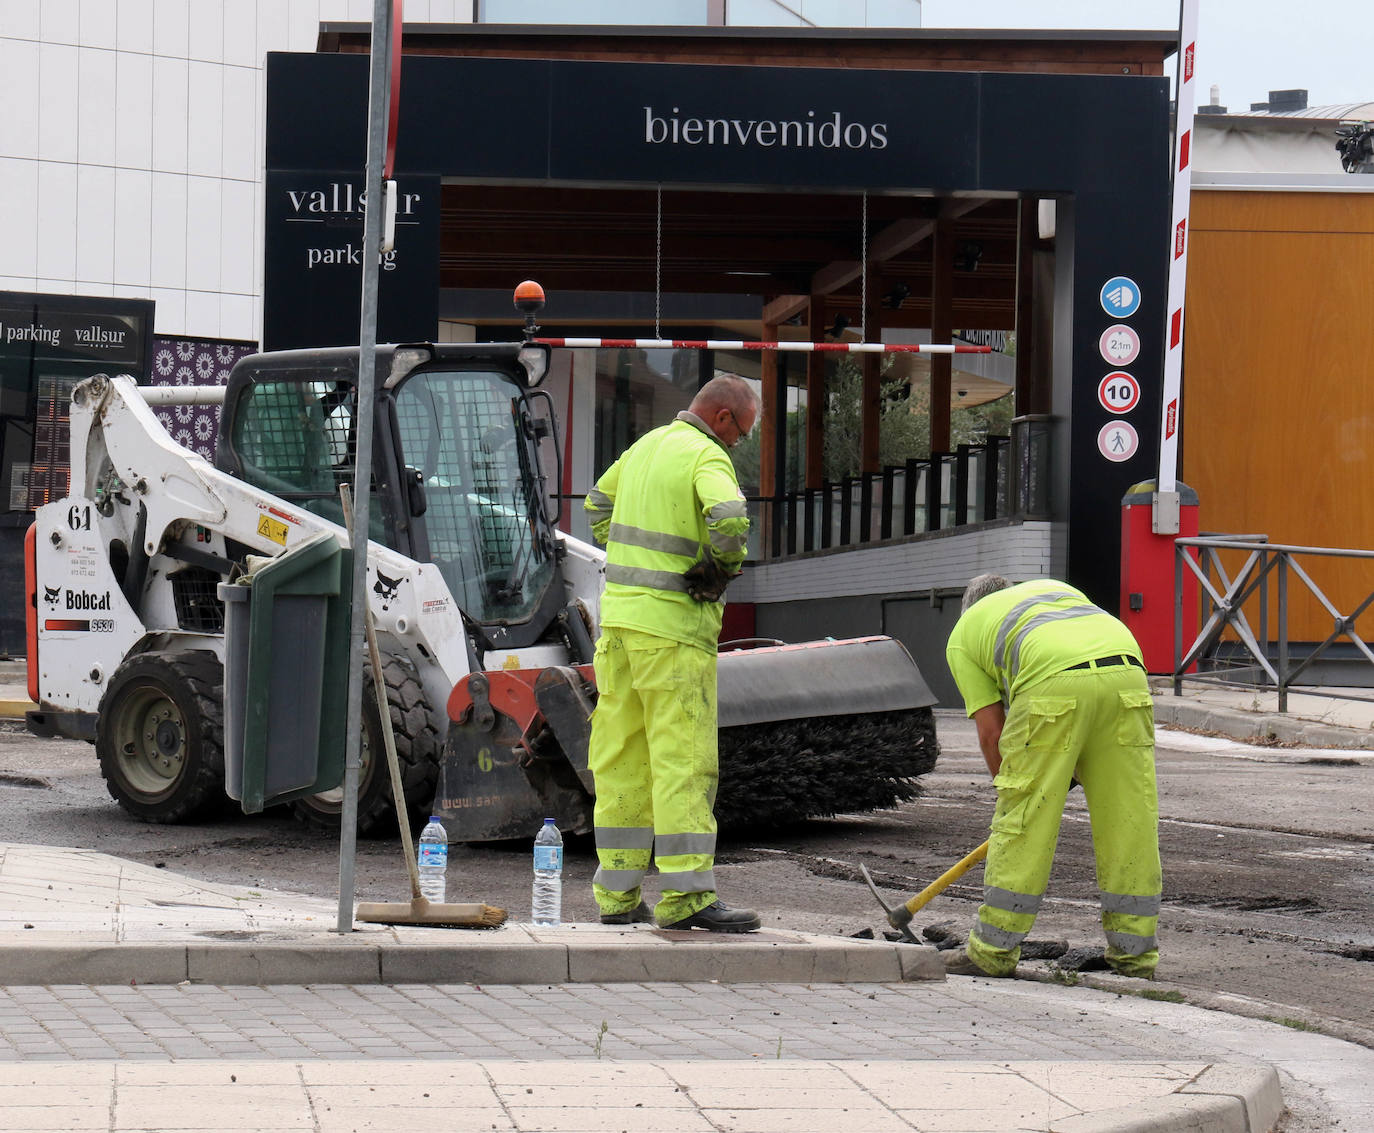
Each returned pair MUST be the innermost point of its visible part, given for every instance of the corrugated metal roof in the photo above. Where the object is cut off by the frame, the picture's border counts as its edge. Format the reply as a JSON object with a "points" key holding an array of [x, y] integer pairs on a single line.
{"points": [[1334, 112]]}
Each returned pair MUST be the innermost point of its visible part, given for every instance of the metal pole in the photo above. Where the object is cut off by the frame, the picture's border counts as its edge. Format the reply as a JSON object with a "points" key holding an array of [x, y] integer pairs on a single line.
{"points": [[378, 100]]}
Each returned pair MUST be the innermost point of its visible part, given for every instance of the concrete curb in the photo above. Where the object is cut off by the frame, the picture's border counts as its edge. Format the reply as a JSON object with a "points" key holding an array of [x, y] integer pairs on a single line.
{"points": [[1222, 1099], [15, 709], [1257, 727], [1265, 1011], [601, 958]]}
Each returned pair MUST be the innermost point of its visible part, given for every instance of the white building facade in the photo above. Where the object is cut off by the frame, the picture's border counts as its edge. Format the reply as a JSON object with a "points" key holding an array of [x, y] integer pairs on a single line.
{"points": [[131, 143]]}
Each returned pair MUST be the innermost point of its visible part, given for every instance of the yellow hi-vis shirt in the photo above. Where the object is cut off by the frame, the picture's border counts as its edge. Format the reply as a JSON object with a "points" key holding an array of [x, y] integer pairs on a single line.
{"points": [[1014, 638], [670, 499]]}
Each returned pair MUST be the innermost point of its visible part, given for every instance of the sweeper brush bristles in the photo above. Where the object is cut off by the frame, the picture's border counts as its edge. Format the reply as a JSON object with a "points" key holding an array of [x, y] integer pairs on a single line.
{"points": [[781, 772], [434, 915]]}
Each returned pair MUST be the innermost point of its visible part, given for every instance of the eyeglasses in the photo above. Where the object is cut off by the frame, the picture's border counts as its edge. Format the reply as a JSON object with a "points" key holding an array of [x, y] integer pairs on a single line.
{"points": [[740, 430]]}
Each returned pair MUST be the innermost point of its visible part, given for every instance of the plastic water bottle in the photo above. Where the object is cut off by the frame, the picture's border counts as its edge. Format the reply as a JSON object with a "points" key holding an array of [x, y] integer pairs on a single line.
{"points": [[546, 907], [433, 860]]}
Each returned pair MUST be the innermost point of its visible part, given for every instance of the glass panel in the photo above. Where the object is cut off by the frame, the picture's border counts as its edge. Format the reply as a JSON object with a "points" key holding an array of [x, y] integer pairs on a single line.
{"points": [[638, 390], [296, 439], [284, 442], [464, 431], [50, 475], [680, 13], [824, 13]]}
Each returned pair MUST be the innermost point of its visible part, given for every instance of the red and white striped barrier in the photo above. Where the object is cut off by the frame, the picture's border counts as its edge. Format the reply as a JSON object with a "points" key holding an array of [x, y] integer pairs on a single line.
{"points": [[796, 347], [1185, 103]]}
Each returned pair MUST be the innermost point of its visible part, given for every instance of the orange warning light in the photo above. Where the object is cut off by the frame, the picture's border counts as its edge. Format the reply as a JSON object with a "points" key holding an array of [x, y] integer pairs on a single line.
{"points": [[529, 297]]}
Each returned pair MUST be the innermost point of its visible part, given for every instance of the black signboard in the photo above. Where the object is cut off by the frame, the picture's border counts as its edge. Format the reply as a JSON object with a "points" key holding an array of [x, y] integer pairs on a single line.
{"points": [[1097, 144], [312, 292], [48, 343], [46, 333]]}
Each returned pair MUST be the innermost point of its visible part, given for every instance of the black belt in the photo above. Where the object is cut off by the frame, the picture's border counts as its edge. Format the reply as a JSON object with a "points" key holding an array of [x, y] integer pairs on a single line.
{"points": [[1107, 662]]}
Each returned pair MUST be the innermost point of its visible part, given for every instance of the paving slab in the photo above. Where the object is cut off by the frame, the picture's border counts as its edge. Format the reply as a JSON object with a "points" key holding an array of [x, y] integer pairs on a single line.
{"points": [[537, 1097]]}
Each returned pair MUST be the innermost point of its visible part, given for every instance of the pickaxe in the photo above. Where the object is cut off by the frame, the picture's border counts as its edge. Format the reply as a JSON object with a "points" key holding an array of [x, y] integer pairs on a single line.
{"points": [[900, 917]]}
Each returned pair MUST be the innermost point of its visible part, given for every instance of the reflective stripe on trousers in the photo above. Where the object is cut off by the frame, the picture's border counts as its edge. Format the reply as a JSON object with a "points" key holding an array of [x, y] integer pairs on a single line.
{"points": [[1096, 725], [653, 756]]}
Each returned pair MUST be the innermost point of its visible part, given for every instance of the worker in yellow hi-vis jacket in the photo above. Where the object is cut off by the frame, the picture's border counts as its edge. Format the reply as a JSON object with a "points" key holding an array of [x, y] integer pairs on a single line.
{"points": [[1057, 690], [672, 518]]}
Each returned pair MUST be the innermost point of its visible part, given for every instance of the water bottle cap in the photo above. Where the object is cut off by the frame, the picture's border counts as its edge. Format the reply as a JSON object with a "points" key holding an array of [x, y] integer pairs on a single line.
{"points": [[548, 822], [435, 818]]}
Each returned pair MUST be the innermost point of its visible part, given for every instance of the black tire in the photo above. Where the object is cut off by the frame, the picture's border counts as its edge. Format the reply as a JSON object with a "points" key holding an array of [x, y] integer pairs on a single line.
{"points": [[417, 750], [160, 736]]}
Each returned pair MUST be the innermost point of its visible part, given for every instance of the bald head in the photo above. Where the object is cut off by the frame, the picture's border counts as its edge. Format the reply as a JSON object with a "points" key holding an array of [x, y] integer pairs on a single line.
{"points": [[729, 407]]}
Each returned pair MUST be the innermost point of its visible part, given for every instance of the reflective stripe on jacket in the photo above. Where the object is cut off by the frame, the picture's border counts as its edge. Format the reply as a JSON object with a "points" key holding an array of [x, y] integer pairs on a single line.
{"points": [[1016, 637], [671, 498]]}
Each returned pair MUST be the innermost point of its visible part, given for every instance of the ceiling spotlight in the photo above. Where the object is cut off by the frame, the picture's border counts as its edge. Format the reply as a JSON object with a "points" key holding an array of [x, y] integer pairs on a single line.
{"points": [[968, 256], [895, 297], [838, 327]]}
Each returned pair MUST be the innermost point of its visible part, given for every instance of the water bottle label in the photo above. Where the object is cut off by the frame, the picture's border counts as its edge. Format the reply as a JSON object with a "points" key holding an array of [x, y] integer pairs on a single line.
{"points": [[548, 857], [433, 854]]}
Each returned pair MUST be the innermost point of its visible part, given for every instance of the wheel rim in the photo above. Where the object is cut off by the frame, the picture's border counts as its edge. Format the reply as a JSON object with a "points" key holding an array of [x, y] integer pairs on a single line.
{"points": [[331, 802], [150, 741]]}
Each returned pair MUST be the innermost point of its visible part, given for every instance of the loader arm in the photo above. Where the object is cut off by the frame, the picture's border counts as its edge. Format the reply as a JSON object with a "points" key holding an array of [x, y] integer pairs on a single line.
{"points": [[145, 486]]}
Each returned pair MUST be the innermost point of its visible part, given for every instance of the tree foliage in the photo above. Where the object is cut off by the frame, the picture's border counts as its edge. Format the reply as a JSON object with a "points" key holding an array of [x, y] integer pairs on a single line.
{"points": [[903, 426]]}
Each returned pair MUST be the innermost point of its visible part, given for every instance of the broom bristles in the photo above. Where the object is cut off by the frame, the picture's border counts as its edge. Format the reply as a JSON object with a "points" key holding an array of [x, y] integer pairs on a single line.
{"points": [[781, 772]]}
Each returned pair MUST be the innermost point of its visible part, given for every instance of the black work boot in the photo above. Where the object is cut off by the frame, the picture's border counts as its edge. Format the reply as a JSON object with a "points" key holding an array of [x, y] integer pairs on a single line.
{"points": [[718, 917], [640, 914]]}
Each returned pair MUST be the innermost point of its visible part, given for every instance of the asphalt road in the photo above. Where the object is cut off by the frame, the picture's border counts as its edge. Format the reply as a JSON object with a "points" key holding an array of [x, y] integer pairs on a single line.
{"points": [[1269, 890]]}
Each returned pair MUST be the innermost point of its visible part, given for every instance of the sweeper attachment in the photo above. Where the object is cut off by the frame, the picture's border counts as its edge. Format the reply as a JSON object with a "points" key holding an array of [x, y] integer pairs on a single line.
{"points": [[807, 730]]}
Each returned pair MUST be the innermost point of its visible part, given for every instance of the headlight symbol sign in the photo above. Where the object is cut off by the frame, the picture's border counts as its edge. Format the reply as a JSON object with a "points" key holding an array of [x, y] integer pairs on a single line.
{"points": [[1120, 297]]}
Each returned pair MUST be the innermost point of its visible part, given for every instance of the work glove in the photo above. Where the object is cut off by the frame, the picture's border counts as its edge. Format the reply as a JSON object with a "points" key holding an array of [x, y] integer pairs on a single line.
{"points": [[706, 580]]}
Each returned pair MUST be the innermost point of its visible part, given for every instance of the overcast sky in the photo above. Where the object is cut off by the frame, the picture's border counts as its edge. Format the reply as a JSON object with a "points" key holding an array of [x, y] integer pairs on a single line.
{"points": [[1247, 47]]}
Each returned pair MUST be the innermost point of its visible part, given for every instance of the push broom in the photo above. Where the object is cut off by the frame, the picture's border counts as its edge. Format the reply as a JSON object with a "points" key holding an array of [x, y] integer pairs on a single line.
{"points": [[420, 910]]}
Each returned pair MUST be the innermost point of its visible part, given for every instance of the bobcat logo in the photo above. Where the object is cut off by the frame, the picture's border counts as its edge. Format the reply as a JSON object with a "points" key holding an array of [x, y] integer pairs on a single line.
{"points": [[51, 594], [386, 589]]}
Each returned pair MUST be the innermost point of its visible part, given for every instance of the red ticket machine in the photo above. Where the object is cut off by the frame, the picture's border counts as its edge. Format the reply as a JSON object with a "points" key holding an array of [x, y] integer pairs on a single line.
{"points": [[1147, 575]]}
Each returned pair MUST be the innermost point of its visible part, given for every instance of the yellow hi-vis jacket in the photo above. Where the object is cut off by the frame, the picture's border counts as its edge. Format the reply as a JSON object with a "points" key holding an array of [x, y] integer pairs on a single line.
{"points": [[998, 648], [670, 499]]}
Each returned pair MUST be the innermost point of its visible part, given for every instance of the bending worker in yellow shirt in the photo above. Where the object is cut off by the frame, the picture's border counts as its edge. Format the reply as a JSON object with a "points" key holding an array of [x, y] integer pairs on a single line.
{"points": [[1057, 690], [673, 520]]}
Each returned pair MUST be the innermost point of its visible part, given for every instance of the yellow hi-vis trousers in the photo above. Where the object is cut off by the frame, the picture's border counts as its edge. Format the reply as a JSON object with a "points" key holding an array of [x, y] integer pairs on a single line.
{"points": [[654, 759], [1095, 725]]}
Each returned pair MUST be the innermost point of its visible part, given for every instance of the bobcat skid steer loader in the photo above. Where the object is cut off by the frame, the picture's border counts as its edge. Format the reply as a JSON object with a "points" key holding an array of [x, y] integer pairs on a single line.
{"points": [[486, 613]]}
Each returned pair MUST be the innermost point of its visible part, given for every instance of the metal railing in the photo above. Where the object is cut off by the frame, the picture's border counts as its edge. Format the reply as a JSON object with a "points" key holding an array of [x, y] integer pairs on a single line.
{"points": [[1263, 660], [1003, 476]]}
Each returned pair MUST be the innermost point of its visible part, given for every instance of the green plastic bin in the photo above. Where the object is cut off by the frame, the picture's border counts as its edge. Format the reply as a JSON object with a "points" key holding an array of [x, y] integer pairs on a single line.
{"points": [[286, 632]]}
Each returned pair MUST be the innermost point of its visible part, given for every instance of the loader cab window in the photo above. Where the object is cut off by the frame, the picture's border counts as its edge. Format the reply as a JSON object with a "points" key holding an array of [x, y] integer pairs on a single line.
{"points": [[465, 432], [296, 440]]}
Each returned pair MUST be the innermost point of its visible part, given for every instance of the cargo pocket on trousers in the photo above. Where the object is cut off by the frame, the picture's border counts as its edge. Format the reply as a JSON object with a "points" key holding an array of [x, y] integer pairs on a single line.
{"points": [[1136, 724], [1050, 722], [1014, 790]]}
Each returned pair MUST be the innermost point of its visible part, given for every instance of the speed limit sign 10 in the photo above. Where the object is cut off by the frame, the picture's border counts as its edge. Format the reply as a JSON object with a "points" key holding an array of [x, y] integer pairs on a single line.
{"points": [[1118, 392]]}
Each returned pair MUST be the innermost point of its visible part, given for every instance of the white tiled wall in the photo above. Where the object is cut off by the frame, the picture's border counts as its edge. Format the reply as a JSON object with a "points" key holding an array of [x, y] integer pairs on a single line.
{"points": [[131, 147], [945, 561]]}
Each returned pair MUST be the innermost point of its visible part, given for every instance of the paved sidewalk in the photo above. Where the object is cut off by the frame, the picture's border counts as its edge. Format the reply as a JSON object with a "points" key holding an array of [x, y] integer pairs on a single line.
{"points": [[135, 998], [541, 1097], [141, 990]]}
